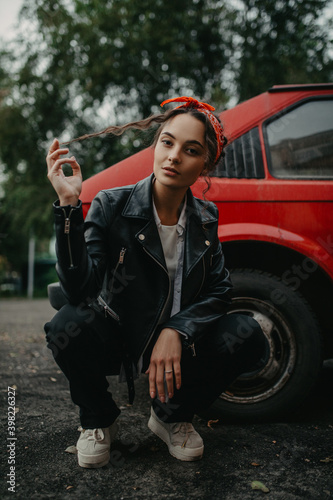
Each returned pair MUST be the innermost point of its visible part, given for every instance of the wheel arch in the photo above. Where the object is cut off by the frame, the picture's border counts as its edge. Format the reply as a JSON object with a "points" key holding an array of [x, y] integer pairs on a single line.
{"points": [[297, 270]]}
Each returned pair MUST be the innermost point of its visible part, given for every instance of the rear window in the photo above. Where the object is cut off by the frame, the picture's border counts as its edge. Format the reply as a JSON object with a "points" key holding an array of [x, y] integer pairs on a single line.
{"points": [[243, 158], [300, 142]]}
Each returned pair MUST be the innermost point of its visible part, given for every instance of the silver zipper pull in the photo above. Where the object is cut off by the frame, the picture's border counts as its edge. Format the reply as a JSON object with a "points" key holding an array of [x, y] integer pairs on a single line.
{"points": [[67, 226], [193, 349], [121, 255]]}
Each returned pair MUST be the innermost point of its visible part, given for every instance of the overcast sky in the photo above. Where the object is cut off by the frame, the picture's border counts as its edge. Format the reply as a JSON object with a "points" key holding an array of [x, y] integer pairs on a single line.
{"points": [[9, 10]]}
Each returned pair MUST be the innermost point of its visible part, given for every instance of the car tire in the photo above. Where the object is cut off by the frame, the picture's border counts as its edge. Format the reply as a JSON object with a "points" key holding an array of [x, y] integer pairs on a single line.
{"points": [[293, 357]]}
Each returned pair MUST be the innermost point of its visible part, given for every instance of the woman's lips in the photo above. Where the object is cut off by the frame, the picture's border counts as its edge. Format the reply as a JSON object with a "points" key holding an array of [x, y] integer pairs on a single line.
{"points": [[170, 171]]}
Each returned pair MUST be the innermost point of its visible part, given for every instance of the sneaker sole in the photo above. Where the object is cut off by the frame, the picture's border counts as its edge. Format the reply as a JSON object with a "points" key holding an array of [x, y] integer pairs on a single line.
{"points": [[92, 465], [95, 462], [186, 455]]}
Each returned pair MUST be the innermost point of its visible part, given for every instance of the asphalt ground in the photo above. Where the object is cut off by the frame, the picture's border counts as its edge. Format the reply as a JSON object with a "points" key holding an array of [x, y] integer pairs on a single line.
{"points": [[292, 458]]}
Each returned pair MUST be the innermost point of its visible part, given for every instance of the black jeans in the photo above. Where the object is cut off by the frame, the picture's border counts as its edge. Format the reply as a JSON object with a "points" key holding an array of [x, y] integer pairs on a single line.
{"points": [[87, 347]]}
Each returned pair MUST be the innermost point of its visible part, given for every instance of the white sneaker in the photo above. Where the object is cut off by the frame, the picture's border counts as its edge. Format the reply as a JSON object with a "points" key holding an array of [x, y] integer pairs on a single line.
{"points": [[93, 446], [182, 439]]}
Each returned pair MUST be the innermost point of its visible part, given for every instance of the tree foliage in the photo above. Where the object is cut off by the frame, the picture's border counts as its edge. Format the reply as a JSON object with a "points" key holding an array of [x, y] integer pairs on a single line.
{"points": [[280, 42], [81, 65]]}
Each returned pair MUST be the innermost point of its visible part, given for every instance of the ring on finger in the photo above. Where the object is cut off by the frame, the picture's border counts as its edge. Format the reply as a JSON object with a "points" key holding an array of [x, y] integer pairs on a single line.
{"points": [[168, 371]]}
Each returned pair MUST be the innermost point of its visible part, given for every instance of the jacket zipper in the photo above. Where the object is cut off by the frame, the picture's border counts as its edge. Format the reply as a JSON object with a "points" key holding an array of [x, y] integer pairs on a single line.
{"points": [[191, 346], [66, 231], [107, 309], [102, 302], [120, 261], [165, 304]]}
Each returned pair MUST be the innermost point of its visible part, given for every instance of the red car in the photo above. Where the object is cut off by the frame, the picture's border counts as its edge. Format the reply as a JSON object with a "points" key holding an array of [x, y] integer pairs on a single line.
{"points": [[274, 193]]}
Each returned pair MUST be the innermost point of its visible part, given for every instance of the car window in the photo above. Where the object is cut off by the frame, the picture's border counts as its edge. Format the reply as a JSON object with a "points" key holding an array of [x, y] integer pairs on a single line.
{"points": [[243, 158], [299, 143]]}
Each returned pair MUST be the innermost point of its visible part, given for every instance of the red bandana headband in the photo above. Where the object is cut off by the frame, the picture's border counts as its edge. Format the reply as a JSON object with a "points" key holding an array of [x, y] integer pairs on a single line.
{"points": [[207, 110]]}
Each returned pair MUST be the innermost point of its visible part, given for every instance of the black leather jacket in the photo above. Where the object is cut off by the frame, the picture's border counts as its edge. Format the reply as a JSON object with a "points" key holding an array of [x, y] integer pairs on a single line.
{"points": [[117, 254]]}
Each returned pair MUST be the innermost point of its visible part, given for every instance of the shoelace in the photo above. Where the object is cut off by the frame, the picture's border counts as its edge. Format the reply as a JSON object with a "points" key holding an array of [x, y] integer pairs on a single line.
{"points": [[185, 428], [93, 434]]}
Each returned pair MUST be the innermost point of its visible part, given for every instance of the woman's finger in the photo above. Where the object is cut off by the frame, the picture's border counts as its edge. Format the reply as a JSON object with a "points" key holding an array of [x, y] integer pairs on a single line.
{"points": [[152, 381], [177, 374], [168, 373], [62, 161], [54, 146], [160, 382], [57, 152], [75, 166]]}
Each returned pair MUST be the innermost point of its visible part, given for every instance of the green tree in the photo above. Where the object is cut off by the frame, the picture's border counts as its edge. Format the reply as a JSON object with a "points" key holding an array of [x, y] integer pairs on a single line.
{"points": [[280, 42]]}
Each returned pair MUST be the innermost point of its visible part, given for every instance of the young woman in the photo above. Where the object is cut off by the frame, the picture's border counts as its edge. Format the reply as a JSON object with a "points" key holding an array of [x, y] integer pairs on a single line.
{"points": [[148, 290]]}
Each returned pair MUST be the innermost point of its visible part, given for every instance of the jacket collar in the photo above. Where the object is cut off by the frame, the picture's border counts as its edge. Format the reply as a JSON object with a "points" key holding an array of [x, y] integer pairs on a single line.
{"points": [[199, 234], [140, 204]]}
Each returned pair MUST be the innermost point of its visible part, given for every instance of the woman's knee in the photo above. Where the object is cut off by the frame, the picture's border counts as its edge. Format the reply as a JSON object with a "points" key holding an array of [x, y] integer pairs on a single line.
{"points": [[234, 331], [67, 324]]}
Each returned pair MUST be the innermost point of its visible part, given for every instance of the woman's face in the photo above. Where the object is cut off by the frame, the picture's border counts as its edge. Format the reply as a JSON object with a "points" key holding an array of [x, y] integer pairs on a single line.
{"points": [[180, 152]]}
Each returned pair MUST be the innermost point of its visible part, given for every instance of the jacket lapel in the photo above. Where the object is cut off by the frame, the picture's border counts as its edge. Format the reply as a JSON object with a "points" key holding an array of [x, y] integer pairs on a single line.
{"points": [[199, 233], [139, 206]]}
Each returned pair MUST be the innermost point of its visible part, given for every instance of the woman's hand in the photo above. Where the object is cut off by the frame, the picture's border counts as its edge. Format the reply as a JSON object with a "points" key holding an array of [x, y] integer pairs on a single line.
{"points": [[68, 189], [165, 362]]}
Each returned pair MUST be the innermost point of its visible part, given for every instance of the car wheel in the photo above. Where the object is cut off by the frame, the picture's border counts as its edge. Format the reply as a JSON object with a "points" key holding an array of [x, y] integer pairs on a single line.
{"points": [[292, 361]]}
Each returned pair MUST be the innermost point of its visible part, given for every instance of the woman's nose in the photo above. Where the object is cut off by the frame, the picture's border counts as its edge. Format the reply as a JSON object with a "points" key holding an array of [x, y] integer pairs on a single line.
{"points": [[174, 156]]}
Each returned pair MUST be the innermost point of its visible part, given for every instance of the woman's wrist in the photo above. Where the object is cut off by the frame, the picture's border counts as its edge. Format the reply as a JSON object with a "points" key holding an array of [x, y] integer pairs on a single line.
{"points": [[64, 202]]}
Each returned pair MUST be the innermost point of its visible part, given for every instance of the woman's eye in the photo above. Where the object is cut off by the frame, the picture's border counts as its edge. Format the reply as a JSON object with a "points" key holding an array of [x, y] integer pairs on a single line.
{"points": [[166, 142], [192, 151]]}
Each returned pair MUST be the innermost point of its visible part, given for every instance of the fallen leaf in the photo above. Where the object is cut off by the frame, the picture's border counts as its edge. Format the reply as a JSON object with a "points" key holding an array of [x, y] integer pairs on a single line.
{"points": [[258, 485], [71, 449], [53, 379], [274, 442], [306, 460], [327, 460], [210, 422], [69, 487], [255, 464]]}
